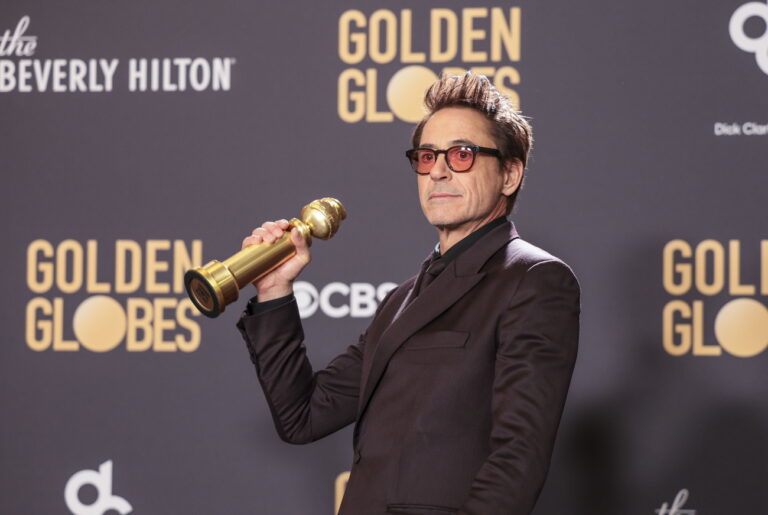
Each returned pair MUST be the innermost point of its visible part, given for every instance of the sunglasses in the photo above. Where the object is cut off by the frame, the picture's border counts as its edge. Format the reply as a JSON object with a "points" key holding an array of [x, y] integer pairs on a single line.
{"points": [[459, 158]]}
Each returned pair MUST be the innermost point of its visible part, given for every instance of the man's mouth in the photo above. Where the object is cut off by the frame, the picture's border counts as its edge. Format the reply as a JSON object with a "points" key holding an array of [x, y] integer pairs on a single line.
{"points": [[438, 196]]}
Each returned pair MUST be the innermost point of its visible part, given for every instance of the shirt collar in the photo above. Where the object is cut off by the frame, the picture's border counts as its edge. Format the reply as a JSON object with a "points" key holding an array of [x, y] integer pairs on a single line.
{"points": [[466, 242]]}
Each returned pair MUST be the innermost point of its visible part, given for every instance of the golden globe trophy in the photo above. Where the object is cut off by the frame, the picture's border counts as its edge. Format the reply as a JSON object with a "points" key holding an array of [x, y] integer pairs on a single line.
{"points": [[213, 286]]}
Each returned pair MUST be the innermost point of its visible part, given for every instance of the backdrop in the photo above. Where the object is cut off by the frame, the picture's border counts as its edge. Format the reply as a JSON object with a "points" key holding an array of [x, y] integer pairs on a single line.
{"points": [[140, 138]]}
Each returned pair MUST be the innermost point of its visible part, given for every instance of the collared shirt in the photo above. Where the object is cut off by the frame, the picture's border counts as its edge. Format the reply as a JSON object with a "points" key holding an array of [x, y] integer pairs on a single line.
{"points": [[466, 242]]}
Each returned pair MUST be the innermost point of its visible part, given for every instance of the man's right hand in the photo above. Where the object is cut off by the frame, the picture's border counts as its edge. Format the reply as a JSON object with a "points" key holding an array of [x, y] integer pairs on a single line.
{"points": [[279, 282]]}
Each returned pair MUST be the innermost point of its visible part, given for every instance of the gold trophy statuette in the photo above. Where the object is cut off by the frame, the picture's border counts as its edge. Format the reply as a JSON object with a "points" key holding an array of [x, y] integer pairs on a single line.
{"points": [[213, 286]]}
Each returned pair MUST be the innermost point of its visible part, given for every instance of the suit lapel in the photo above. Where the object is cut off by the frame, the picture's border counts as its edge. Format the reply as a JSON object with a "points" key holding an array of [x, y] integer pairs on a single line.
{"points": [[414, 288], [450, 286]]}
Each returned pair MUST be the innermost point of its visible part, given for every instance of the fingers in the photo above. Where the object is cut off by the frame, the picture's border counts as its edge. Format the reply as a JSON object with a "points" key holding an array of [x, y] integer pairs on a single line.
{"points": [[302, 248], [297, 240], [269, 232]]}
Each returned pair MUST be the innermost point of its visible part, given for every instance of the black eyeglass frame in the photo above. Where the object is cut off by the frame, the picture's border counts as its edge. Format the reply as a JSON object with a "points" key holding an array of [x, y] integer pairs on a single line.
{"points": [[474, 149]]}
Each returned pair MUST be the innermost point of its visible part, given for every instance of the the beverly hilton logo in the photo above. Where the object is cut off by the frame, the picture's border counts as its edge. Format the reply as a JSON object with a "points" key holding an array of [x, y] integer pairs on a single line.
{"points": [[21, 73], [676, 508], [16, 42], [711, 288]]}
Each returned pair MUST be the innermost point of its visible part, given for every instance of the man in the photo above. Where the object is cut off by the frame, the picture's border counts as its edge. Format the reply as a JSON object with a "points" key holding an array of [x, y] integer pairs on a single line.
{"points": [[457, 387]]}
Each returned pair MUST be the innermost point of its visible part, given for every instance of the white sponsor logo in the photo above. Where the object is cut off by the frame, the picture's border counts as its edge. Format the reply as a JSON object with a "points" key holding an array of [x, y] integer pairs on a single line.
{"points": [[741, 129], [17, 43], [757, 46], [677, 505], [339, 300], [105, 501], [99, 75]]}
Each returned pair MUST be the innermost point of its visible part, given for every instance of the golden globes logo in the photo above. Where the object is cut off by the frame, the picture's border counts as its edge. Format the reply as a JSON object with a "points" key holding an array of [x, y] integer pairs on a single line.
{"points": [[482, 40], [694, 273], [153, 312]]}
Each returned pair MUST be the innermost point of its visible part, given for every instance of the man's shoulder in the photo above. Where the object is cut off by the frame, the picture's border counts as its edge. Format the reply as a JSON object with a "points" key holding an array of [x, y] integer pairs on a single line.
{"points": [[526, 253], [519, 255]]}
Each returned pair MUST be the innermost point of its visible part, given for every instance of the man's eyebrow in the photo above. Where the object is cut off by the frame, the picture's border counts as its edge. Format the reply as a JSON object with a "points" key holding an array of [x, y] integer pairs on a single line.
{"points": [[452, 142]]}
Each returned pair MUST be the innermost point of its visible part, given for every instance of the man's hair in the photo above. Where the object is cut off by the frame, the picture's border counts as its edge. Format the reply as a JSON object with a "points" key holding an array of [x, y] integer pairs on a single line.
{"points": [[509, 129]]}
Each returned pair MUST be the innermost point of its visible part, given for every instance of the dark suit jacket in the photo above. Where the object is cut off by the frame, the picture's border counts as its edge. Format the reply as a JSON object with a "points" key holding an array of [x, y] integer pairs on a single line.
{"points": [[456, 395]]}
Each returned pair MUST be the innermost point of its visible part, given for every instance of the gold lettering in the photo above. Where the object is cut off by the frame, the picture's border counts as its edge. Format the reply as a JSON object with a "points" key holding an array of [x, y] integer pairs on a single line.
{"points": [[734, 271], [92, 283], [191, 344], [506, 34], [677, 276], [371, 114], [508, 75], [715, 248], [139, 313], [59, 343], [469, 34], [355, 99], [699, 348], [351, 44], [454, 70], [764, 267], [670, 328], [340, 486], [437, 17], [488, 71], [407, 55], [73, 248], [388, 18], [37, 268], [125, 250], [36, 308], [154, 265], [183, 260], [162, 324]]}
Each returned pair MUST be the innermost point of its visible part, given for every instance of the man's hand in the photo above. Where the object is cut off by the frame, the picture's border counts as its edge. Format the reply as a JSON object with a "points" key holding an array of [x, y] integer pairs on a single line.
{"points": [[279, 282]]}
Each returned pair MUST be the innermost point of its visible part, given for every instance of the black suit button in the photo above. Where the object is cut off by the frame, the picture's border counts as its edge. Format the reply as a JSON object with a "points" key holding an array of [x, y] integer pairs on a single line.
{"points": [[357, 456]]}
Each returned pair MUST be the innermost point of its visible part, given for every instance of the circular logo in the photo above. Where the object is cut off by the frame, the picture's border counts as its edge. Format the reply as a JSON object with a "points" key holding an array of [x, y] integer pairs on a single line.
{"points": [[307, 298], [758, 46], [99, 323], [405, 92], [741, 327]]}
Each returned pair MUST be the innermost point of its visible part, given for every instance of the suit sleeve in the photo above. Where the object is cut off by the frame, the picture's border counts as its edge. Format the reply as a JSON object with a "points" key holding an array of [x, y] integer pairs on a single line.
{"points": [[305, 405], [535, 355]]}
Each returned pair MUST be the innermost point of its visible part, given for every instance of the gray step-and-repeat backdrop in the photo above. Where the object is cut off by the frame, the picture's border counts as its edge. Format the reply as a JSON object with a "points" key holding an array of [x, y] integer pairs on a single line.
{"points": [[139, 138]]}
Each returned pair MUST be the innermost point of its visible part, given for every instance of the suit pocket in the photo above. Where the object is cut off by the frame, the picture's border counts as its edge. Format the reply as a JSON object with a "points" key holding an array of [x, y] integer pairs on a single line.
{"points": [[419, 509], [437, 340]]}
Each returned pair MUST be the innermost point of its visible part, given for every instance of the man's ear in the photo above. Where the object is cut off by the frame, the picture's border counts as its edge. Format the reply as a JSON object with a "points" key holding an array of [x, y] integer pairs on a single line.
{"points": [[513, 176]]}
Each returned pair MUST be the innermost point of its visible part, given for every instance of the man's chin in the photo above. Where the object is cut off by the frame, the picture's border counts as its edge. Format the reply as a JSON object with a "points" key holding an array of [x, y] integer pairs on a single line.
{"points": [[444, 222]]}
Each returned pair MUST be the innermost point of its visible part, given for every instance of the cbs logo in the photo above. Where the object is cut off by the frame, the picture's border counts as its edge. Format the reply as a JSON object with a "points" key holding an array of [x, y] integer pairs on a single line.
{"points": [[339, 300]]}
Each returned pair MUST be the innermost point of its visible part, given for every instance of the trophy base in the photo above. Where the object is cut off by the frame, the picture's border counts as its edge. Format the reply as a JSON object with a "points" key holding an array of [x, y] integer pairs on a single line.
{"points": [[211, 288]]}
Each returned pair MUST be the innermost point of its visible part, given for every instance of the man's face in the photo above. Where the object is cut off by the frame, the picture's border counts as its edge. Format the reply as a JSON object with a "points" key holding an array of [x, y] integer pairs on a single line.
{"points": [[468, 200]]}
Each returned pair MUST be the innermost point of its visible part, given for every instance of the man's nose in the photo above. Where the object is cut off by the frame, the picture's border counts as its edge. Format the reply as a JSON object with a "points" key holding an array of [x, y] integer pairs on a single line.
{"points": [[440, 170]]}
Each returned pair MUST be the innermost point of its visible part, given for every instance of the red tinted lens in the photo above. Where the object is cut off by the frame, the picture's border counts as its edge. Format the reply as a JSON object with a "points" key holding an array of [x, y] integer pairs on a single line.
{"points": [[460, 158], [423, 160]]}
